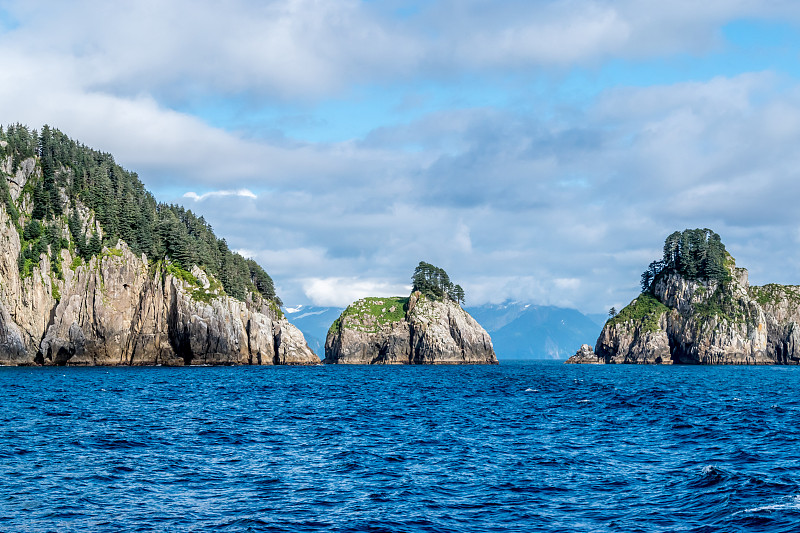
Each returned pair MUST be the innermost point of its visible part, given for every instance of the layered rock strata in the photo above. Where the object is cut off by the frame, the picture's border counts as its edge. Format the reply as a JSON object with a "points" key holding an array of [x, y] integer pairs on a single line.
{"points": [[414, 330], [703, 322]]}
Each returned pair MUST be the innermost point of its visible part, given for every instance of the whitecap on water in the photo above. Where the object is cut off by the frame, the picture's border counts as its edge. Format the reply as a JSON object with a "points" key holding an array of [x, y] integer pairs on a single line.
{"points": [[531, 390], [790, 503], [584, 401]]}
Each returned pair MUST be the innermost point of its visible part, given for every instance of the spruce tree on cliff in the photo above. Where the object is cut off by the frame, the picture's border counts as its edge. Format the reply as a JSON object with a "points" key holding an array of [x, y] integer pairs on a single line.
{"points": [[122, 206], [696, 254], [434, 283]]}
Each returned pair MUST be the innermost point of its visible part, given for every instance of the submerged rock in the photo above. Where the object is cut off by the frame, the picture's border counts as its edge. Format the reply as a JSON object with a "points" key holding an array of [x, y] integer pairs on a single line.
{"points": [[414, 330]]}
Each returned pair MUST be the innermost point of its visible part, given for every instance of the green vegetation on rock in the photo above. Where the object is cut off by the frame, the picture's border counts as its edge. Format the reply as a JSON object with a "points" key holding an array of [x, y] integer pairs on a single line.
{"points": [[71, 175], [76, 262], [200, 294], [369, 314], [773, 293], [198, 291], [180, 273], [35, 239], [645, 311], [275, 309], [719, 305], [5, 198], [110, 252]]}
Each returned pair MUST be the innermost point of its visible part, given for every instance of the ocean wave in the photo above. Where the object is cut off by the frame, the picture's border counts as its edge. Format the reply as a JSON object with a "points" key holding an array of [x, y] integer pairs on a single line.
{"points": [[605, 449], [791, 503]]}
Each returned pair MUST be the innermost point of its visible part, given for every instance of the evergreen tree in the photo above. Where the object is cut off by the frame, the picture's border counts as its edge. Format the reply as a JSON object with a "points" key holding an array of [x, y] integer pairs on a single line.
{"points": [[692, 253], [434, 283], [33, 230], [671, 247], [75, 226], [458, 294], [123, 208], [95, 246], [650, 275], [40, 202]]}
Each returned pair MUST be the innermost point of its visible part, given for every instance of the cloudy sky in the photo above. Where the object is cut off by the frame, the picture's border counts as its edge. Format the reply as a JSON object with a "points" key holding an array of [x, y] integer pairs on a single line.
{"points": [[539, 151]]}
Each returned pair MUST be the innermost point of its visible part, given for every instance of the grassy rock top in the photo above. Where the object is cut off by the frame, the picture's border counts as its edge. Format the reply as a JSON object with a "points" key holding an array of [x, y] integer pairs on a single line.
{"points": [[369, 314], [646, 309], [773, 293]]}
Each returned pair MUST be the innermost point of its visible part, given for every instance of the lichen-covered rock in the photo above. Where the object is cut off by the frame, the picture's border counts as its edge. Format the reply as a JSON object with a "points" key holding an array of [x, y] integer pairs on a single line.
{"points": [[413, 330]]}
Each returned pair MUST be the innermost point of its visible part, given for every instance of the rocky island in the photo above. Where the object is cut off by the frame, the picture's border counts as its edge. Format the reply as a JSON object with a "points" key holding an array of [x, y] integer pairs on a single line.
{"points": [[428, 327], [95, 272], [697, 307]]}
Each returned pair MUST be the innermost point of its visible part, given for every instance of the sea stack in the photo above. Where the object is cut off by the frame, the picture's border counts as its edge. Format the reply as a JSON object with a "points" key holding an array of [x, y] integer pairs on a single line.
{"points": [[697, 307], [74, 292], [407, 331]]}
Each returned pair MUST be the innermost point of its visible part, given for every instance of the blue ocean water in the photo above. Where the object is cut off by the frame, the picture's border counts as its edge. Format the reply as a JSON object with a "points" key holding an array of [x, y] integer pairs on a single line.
{"points": [[516, 447]]}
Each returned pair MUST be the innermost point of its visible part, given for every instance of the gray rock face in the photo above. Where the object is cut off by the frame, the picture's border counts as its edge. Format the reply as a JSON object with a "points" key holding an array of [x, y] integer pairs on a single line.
{"points": [[585, 356], [705, 322], [116, 310], [429, 332]]}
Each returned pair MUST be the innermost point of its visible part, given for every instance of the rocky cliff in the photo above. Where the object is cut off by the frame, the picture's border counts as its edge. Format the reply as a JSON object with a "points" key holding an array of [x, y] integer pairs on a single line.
{"points": [[118, 309], [414, 330], [685, 321]]}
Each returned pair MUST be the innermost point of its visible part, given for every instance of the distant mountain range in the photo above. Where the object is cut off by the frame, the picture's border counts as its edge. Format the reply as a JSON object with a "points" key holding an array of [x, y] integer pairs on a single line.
{"points": [[518, 330], [314, 323], [526, 331]]}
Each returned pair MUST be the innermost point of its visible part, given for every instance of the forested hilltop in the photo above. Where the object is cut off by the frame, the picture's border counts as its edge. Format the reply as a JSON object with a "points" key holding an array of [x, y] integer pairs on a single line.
{"points": [[695, 254], [75, 175], [94, 271]]}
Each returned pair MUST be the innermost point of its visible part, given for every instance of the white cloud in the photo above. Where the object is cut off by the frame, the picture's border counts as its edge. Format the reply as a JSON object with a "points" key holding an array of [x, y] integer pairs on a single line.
{"points": [[243, 193], [310, 49], [462, 238], [290, 48], [497, 217], [341, 292], [564, 209], [571, 284]]}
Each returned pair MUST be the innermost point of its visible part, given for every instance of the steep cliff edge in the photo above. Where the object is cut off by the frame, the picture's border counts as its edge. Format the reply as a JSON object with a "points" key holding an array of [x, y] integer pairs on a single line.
{"points": [[713, 320], [117, 311], [59, 306], [414, 330]]}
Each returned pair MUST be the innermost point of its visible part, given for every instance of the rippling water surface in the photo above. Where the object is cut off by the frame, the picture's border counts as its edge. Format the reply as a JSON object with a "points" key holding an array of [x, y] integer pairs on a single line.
{"points": [[516, 447]]}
